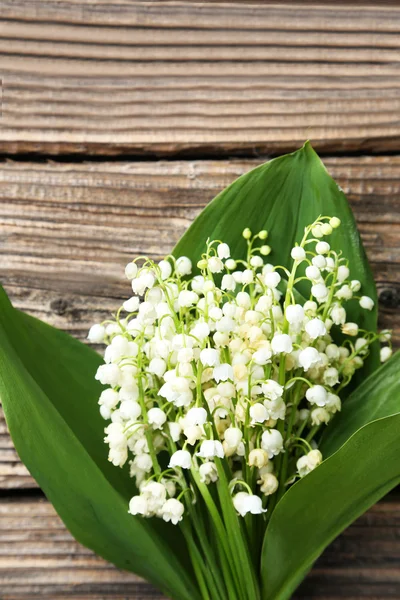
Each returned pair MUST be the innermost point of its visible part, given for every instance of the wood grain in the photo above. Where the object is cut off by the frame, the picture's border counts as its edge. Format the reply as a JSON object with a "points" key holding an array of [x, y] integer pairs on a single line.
{"points": [[170, 78], [40, 559]]}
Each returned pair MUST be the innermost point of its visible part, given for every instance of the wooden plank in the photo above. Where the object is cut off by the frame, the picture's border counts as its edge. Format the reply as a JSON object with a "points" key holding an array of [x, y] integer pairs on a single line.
{"points": [[39, 558], [152, 77], [67, 231]]}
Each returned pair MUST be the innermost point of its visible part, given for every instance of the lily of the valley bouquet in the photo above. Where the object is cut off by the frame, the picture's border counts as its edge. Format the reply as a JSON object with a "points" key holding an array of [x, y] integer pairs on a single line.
{"points": [[247, 417]]}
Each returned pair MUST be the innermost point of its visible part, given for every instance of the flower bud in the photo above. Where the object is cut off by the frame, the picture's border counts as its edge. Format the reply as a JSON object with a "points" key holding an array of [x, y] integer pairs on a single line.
{"points": [[131, 270], [298, 253], [230, 264], [246, 233], [269, 484], [326, 228], [350, 329], [319, 416], [355, 285], [271, 280], [257, 458], [165, 268], [317, 231], [334, 222]]}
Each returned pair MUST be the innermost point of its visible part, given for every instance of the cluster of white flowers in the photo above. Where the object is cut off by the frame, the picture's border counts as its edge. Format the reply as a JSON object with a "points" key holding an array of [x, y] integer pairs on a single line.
{"points": [[228, 369]]}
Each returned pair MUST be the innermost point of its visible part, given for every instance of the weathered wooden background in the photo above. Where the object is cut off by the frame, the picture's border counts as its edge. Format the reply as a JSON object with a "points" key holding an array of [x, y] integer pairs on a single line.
{"points": [[120, 121]]}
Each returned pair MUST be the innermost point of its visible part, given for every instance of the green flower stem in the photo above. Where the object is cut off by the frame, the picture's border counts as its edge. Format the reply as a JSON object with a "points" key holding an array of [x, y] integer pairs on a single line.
{"points": [[223, 586], [285, 461], [240, 548], [332, 290], [152, 452], [281, 429], [220, 528], [199, 391], [197, 562], [312, 433]]}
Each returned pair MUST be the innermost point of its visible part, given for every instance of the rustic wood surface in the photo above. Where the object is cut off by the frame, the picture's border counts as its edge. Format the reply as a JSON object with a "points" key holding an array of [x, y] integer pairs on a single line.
{"points": [[40, 559], [155, 77], [115, 81]]}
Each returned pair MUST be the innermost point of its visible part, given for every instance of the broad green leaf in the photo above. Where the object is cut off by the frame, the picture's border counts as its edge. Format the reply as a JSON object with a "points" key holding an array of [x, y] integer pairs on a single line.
{"points": [[283, 196], [49, 396], [354, 476]]}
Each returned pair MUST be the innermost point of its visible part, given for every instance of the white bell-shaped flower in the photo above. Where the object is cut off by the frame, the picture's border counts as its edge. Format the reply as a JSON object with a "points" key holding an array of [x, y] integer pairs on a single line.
{"points": [[209, 357], [247, 503], [294, 314], [272, 442], [281, 343], [366, 302], [172, 511], [208, 472], [258, 413], [96, 334], [272, 389], [156, 417], [315, 328], [138, 506], [196, 416], [210, 449], [183, 265], [385, 353], [181, 458], [309, 357], [223, 372], [317, 394]]}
